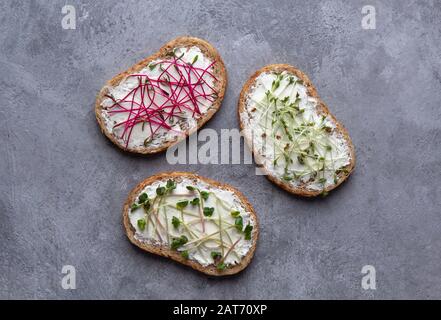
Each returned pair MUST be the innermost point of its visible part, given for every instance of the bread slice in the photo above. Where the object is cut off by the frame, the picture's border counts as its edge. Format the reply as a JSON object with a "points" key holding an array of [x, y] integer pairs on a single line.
{"points": [[162, 248], [305, 170], [145, 137]]}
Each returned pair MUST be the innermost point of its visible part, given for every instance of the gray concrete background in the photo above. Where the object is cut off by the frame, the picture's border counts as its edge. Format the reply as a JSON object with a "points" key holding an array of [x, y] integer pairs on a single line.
{"points": [[63, 184]]}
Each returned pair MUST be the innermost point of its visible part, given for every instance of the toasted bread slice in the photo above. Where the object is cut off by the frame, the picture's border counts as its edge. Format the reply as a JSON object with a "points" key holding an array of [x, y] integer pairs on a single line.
{"points": [[164, 98], [299, 144], [215, 234]]}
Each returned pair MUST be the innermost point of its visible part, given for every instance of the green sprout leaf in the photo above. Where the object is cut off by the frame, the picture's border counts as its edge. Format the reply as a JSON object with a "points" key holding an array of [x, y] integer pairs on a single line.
{"points": [[322, 180], [143, 197], [195, 59], [221, 266], [191, 188], [184, 254], [146, 206], [152, 66], [160, 191], [181, 204], [216, 255], [239, 223], [178, 242], [205, 194], [247, 231], [208, 212], [176, 222], [195, 201], [171, 184], [235, 213], [135, 206], [141, 224]]}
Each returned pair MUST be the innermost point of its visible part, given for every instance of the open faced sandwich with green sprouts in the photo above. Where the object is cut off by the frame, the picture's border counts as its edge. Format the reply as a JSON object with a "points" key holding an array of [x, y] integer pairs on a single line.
{"points": [[196, 221], [299, 144]]}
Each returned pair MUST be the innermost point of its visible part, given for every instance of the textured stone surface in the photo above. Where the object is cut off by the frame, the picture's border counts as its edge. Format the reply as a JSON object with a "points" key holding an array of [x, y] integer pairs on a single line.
{"points": [[63, 184]]}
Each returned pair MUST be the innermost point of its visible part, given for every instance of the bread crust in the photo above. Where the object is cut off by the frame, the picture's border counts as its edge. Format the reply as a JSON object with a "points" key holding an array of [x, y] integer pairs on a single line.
{"points": [[321, 107], [164, 250], [186, 41]]}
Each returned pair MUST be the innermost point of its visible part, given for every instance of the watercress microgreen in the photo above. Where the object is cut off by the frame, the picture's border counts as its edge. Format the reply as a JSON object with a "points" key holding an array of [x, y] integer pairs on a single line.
{"points": [[141, 224], [178, 242], [176, 222], [181, 204], [208, 212], [238, 223]]}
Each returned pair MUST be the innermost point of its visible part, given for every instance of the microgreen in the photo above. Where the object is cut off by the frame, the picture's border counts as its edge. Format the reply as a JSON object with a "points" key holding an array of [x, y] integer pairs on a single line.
{"points": [[195, 59], [171, 184], [184, 254], [146, 206], [247, 231], [205, 194], [238, 223], [176, 222], [141, 224], [178, 242], [181, 204], [191, 188], [216, 255], [195, 201], [134, 206], [160, 191], [221, 266], [143, 197], [152, 66], [235, 213], [208, 212]]}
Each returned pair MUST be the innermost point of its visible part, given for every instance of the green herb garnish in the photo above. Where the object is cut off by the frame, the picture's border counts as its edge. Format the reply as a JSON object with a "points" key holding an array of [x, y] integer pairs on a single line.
{"points": [[195, 59], [247, 231], [216, 255], [191, 188], [177, 242], [135, 206], [205, 194], [235, 213], [208, 212], [184, 254], [160, 191], [195, 201], [171, 184], [176, 222], [181, 204], [221, 266], [238, 223], [143, 197], [141, 224]]}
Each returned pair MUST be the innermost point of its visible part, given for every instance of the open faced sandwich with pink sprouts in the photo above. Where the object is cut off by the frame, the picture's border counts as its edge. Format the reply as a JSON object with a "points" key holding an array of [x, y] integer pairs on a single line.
{"points": [[162, 99]]}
